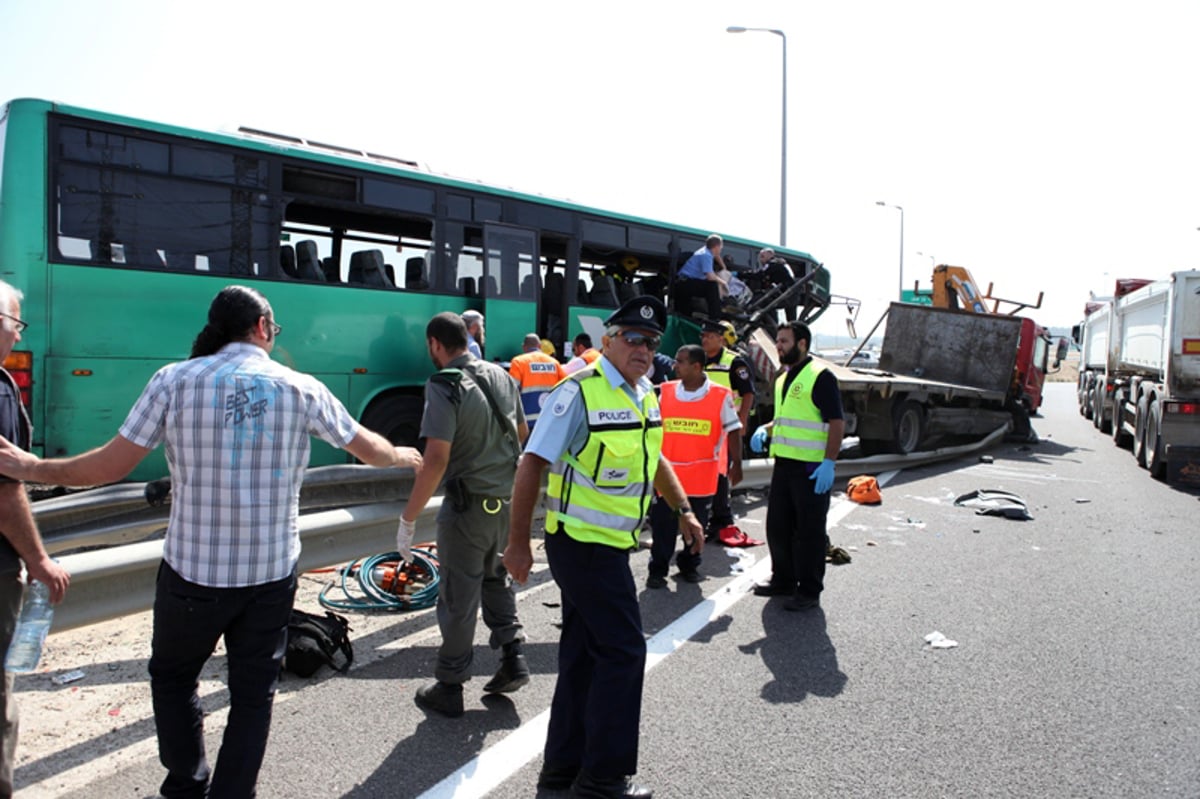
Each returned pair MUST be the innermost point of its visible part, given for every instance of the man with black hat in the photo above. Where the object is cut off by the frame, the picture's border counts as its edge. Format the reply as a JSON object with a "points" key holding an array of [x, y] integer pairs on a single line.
{"points": [[604, 451], [727, 368]]}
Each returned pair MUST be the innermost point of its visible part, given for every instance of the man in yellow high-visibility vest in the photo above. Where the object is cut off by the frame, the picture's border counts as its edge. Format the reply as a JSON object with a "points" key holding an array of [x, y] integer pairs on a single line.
{"points": [[806, 436], [601, 436]]}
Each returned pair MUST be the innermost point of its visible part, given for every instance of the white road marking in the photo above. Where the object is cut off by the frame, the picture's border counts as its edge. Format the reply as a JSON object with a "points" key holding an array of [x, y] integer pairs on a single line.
{"points": [[500, 761]]}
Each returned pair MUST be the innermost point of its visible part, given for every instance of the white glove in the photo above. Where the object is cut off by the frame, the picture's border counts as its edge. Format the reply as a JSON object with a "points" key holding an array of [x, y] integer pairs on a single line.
{"points": [[404, 539]]}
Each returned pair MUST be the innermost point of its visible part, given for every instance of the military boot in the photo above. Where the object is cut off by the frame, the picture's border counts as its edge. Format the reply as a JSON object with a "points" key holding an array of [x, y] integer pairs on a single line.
{"points": [[441, 698], [513, 672]]}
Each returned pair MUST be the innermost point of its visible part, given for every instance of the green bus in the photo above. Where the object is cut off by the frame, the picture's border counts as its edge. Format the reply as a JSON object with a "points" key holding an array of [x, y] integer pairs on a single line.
{"points": [[120, 231]]}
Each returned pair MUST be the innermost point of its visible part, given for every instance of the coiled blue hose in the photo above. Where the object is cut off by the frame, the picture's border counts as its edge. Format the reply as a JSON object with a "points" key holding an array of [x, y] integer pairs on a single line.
{"points": [[370, 595]]}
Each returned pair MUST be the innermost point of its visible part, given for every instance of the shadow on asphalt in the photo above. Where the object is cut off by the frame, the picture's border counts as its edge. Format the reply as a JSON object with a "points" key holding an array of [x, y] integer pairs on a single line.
{"points": [[795, 647], [463, 737]]}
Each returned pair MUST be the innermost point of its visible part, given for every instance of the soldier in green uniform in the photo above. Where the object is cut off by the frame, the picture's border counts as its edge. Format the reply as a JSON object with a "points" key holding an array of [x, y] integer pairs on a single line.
{"points": [[473, 427]]}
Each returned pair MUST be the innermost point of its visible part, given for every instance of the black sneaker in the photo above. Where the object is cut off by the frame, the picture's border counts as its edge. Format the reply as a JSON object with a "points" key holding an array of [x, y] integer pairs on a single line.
{"points": [[799, 602], [655, 581], [692, 576], [772, 589]]}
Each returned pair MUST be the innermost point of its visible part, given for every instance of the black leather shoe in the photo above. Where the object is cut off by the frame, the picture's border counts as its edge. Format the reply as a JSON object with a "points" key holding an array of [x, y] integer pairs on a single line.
{"points": [[655, 581], [556, 778], [771, 589], [441, 697], [799, 602], [589, 787], [512, 674], [691, 577]]}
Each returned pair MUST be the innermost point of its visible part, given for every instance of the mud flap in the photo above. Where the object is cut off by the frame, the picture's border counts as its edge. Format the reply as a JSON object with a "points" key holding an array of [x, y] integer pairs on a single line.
{"points": [[1183, 466]]}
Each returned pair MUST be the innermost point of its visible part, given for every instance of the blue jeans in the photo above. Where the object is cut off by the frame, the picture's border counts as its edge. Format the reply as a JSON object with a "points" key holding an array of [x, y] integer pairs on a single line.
{"points": [[188, 621], [11, 592]]}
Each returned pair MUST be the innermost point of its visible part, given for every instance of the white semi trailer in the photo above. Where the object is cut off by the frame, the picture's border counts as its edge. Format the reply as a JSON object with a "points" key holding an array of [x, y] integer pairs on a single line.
{"points": [[1140, 374]]}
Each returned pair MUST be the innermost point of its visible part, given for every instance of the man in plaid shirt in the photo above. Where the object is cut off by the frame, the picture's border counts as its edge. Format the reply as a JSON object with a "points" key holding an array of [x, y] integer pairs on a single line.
{"points": [[236, 428]]}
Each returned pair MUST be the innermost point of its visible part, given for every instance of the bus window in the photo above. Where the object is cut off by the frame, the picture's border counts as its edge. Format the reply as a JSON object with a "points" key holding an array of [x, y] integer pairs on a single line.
{"points": [[136, 202], [464, 257], [510, 274]]}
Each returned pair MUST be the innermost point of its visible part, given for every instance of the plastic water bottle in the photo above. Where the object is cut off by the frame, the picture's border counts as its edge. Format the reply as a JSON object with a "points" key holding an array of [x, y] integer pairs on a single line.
{"points": [[36, 614]]}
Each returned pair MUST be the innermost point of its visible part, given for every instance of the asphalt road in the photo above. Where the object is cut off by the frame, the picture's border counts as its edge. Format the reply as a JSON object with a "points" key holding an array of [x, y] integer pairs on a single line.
{"points": [[1074, 675]]}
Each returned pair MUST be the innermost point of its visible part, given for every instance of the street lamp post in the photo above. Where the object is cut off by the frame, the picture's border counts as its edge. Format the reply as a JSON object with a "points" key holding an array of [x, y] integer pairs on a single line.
{"points": [[901, 210], [783, 129]]}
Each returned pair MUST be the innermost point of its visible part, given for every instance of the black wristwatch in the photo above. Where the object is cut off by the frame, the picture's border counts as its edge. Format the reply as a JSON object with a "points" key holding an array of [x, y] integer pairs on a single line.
{"points": [[682, 509]]}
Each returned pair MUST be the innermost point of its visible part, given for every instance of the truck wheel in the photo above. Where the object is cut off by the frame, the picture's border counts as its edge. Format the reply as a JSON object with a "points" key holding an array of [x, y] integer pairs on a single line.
{"points": [[396, 417], [1084, 394], [1139, 432], [1120, 437], [1155, 462], [1102, 424], [908, 427], [1098, 407]]}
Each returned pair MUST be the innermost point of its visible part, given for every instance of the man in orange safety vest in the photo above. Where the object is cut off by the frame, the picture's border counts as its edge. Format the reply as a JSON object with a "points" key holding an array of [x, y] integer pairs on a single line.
{"points": [[697, 416], [536, 373]]}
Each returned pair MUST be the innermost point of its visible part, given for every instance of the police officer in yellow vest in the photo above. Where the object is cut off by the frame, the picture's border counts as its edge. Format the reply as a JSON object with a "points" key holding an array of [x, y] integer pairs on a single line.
{"points": [[805, 436], [601, 436], [699, 424]]}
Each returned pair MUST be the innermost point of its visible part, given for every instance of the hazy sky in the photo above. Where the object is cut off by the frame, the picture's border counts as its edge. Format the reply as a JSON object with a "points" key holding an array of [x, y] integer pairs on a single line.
{"points": [[1048, 146]]}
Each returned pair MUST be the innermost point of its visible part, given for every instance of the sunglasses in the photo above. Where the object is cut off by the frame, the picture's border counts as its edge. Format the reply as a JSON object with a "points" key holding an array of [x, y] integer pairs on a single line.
{"points": [[640, 339]]}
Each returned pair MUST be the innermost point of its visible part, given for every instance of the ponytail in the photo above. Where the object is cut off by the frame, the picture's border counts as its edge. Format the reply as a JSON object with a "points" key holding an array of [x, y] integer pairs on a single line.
{"points": [[231, 317]]}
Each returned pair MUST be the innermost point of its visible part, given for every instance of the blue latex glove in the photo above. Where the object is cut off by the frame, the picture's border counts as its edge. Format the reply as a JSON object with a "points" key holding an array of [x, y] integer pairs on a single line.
{"points": [[758, 441], [824, 477]]}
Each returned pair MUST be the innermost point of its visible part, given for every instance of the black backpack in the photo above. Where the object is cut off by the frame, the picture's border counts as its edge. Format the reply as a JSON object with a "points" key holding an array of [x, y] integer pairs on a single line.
{"points": [[314, 640]]}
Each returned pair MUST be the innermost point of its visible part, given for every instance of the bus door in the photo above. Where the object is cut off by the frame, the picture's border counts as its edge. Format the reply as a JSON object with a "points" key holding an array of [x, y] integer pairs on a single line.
{"points": [[511, 289]]}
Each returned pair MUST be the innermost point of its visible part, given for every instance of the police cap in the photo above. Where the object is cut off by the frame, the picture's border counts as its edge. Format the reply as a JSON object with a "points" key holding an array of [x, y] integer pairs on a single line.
{"points": [[722, 328], [644, 313]]}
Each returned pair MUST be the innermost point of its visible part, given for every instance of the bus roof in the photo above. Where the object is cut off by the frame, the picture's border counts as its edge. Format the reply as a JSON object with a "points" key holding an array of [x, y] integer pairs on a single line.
{"points": [[336, 155]]}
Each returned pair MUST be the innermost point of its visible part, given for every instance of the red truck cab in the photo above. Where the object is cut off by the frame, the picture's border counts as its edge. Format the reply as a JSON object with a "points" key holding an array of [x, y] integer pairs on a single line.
{"points": [[1033, 356]]}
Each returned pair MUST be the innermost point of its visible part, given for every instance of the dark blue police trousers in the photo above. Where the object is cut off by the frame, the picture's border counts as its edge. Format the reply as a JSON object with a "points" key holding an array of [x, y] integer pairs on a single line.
{"points": [[188, 621], [597, 705]]}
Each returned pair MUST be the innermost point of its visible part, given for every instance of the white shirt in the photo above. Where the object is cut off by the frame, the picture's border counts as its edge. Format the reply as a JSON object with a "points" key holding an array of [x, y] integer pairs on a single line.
{"points": [[729, 417]]}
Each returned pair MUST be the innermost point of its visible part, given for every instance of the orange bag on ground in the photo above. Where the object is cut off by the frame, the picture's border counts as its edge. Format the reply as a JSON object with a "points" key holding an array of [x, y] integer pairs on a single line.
{"points": [[864, 489]]}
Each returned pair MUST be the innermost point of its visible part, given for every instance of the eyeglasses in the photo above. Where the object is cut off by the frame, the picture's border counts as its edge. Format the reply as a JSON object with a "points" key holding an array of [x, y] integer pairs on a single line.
{"points": [[639, 339], [20, 323], [275, 329]]}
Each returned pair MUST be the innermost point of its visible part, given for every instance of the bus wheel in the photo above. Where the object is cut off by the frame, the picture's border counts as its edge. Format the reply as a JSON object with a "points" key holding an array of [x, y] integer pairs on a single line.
{"points": [[908, 426], [1153, 448], [396, 417]]}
